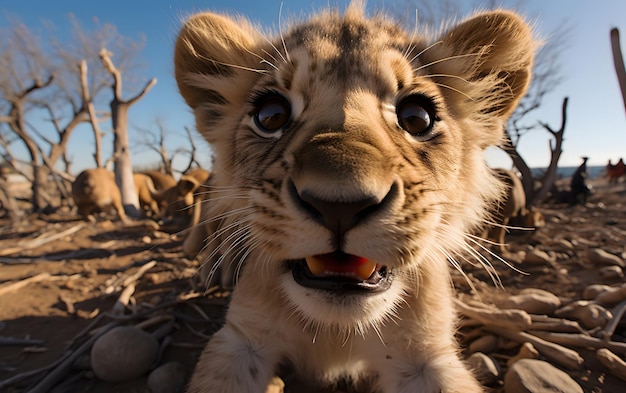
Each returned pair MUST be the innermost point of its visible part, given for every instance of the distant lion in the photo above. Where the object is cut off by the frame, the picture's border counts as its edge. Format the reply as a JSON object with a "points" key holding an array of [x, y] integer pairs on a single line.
{"points": [[94, 190], [348, 170], [614, 172], [175, 199]]}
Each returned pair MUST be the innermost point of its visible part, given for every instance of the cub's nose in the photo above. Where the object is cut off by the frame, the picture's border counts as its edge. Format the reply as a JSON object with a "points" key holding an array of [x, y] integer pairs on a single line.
{"points": [[339, 217]]}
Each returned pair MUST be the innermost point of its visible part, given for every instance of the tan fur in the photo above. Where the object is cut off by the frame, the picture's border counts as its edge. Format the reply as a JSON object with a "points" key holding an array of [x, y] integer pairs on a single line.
{"points": [[161, 181], [198, 174], [198, 178], [218, 267], [94, 191], [145, 190], [342, 176], [175, 199]]}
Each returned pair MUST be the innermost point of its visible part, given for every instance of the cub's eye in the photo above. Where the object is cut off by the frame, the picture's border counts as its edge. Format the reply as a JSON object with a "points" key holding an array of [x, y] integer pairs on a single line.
{"points": [[271, 113], [416, 116]]}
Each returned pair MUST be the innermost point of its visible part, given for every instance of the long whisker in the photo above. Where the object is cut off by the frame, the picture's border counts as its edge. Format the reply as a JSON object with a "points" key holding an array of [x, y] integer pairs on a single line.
{"points": [[455, 90], [282, 37], [446, 76], [474, 240], [442, 60], [411, 46], [269, 62], [424, 51], [259, 71], [280, 54]]}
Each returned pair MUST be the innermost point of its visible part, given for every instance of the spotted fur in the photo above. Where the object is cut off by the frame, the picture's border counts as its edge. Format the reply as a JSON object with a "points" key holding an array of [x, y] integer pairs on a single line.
{"points": [[344, 174]]}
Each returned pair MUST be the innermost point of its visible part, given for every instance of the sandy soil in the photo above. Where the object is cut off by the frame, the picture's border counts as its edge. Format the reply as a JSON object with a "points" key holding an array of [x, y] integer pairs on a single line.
{"points": [[86, 266]]}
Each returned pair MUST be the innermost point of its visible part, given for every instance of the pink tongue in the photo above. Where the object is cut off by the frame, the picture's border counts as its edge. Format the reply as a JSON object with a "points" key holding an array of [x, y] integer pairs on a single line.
{"points": [[341, 264]]}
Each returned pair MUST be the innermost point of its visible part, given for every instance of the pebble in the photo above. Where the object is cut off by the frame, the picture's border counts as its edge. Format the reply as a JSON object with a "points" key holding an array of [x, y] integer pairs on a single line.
{"points": [[537, 257], [611, 272], [533, 301], [168, 378], [486, 344], [565, 244], [589, 314], [123, 353], [485, 367], [526, 351], [598, 256], [594, 290], [537, 376]]}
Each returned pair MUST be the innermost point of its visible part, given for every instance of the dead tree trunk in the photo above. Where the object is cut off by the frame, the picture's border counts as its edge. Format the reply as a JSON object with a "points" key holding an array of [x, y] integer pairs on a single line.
{"points": [[618, 60], [18, 126], [91, 111], [7, 201], [549, 177], [123, 166], [536, 196], [119, 117]]}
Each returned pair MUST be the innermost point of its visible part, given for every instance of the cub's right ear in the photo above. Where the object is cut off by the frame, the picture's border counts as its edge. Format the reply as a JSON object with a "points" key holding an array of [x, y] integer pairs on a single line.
{"points": [[211, 55]]}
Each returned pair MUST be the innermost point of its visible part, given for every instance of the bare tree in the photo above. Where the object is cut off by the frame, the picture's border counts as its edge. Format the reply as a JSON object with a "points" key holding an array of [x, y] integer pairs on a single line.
{"points": [[84, 52], [618, 61], [119, 119], [24, 72], [536, 195], [192, 153], [157, 142], [48, 83]]}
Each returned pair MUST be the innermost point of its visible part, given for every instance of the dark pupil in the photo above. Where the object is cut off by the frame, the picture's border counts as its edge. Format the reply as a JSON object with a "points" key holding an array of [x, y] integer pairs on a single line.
{"points": [[414, 118], [272, 114]]}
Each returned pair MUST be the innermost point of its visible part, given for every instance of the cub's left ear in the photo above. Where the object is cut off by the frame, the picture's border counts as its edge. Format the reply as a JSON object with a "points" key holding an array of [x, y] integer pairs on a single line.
{"points": [[494, 52]]}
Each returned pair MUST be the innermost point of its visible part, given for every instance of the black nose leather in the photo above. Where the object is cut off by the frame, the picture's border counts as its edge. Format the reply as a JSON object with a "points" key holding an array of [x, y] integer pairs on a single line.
{"points": [[339, 217]]}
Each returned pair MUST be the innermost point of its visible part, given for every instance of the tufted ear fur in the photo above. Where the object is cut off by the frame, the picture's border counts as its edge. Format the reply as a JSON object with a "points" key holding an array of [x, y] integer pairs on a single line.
{"points": [[212, 53], [493, 54]]}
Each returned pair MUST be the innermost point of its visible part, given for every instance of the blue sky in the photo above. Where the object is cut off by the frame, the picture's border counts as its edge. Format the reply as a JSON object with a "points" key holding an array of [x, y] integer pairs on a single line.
{"points": [[596, 124]]}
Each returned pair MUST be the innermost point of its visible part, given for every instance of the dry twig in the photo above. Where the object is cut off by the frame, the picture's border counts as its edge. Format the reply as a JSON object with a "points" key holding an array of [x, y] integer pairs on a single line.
{"points": [[618, 312], [511, 319], [124, 282], [581, 341], [41, 240], [613, 362], [36, 278], [555, 352]]}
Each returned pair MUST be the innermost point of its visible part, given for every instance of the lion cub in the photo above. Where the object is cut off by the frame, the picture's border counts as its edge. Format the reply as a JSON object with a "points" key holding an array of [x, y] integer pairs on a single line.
{"points": [[348, 170]]}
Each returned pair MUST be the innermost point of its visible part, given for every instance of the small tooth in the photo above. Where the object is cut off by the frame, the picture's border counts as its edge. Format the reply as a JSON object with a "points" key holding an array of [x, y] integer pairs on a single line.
{"points": [[315, 266], [366, 269]]}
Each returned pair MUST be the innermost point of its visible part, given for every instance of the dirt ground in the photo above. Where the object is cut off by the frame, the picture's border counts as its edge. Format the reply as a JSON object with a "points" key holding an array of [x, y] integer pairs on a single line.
{"points": [[78, 270]]}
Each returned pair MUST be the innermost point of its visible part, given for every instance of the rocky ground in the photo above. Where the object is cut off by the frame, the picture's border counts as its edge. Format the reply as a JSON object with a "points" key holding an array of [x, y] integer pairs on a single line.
{"points": [[66, 284]]}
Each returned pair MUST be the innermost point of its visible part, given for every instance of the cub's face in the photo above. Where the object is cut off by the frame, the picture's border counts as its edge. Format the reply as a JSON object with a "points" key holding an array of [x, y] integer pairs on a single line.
{"points": [[349, 153]]}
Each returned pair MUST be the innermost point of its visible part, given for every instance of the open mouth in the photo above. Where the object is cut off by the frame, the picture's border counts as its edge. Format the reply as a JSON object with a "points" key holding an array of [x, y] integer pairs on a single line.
{"points": [[339, 271]]}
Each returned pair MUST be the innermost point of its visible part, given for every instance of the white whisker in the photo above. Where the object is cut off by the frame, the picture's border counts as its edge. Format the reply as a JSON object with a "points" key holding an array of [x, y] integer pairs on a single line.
{"points": [[455, 90], [442, 60], [411, 46], [240, 67], [422, 52], [280, 29]]}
